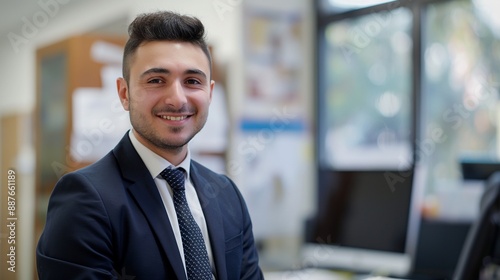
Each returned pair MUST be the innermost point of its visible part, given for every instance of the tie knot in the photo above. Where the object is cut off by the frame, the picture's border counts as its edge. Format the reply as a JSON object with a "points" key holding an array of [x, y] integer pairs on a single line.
{"points": [[174, 177]]}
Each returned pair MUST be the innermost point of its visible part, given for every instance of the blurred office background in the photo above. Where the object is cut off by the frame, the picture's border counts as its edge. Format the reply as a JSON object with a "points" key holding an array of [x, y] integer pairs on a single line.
{"points": [[318, 105]]}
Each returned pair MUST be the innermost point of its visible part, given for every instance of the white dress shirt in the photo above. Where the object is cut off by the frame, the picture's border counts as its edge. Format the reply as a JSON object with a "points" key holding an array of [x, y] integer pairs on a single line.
{"points": [[155, 164]]}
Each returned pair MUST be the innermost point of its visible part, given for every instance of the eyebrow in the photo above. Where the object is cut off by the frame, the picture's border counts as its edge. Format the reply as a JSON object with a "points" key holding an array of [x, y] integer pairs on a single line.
{"points": [[196, 72], [159, 70], [155, 70]]}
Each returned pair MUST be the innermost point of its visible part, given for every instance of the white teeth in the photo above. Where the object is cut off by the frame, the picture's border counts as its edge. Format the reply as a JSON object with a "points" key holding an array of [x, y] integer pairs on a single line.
{"points": [[173, 118]]}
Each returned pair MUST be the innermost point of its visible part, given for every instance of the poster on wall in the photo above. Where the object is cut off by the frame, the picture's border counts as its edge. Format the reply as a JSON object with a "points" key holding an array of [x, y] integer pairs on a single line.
{"points": [[273, 142], [273, 60]]}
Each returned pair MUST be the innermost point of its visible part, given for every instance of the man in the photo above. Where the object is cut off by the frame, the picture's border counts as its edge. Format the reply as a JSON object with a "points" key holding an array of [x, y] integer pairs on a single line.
{"points": [[119, 218]]}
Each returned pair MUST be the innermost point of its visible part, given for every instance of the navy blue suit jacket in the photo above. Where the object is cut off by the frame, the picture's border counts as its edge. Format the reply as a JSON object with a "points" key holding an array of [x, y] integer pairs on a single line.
{"points": [[107, 221]]}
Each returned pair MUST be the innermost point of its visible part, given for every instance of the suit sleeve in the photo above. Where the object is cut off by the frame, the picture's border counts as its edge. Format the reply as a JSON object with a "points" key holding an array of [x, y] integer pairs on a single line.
{"points": [[76, 241]]}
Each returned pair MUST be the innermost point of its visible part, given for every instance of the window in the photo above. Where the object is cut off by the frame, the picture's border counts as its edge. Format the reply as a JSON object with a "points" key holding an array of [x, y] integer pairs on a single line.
{"points": [[401, 84], [366, 92], [347, 5], [460, 81], [365, 116]]}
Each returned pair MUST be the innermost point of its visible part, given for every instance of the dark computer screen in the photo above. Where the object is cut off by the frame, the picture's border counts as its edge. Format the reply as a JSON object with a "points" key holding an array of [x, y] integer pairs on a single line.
{"points": [[478, 169], [362, 209]]}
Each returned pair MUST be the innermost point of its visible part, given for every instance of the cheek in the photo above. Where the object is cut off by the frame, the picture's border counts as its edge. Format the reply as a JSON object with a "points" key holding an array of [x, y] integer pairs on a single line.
{"points": [[138, 97], [141, 99], [204, 108], [204, 101]]}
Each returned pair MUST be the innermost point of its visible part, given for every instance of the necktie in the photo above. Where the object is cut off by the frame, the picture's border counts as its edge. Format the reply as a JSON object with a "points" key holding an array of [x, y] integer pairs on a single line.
{"points": [[195, 252]]}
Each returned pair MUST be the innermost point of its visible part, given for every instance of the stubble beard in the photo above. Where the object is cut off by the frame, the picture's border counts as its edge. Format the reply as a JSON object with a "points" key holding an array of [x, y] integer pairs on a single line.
{"points": [[140, 125]]}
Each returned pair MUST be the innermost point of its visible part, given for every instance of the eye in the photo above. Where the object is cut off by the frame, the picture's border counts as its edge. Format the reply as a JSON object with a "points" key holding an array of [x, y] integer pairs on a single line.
{"points": [[155, 81], [193, 82]]}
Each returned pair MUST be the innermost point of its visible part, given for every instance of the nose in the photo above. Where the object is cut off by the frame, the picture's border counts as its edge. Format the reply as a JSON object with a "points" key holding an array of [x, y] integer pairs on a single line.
{"points": [[176, 96]]}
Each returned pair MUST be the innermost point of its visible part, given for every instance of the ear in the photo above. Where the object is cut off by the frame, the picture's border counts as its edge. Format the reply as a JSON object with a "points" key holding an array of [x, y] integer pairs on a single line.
{"points": [[123, 94], [212, 83]]}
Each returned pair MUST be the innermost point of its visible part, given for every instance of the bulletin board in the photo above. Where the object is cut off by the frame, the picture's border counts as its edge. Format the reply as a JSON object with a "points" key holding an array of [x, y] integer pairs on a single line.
{"points": [[273, 133]]}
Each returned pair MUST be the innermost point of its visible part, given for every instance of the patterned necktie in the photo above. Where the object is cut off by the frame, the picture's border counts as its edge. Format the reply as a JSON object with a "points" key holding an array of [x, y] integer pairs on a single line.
{"points": [[195, 252]]}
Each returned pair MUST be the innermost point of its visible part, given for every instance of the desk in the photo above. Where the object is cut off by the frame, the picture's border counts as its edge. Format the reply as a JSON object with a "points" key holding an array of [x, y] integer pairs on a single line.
{"points": [[320, 274]]}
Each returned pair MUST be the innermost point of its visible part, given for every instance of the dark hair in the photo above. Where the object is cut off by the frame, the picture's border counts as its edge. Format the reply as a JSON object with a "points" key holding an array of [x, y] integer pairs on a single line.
{"points": [[159, 26]]}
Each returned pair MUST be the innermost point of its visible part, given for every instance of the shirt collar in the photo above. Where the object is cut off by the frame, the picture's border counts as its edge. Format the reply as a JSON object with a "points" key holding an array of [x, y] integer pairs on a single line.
{"points": [[155, 163]]}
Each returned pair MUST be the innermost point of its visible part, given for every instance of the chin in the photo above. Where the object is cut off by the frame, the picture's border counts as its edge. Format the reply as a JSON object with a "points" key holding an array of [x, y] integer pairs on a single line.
{"points": [[169, 142]]}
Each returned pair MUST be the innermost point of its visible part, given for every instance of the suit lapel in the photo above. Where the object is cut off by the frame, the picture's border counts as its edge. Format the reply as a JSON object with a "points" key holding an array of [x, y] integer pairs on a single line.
{"points": [[213, 216], [144, 191]]}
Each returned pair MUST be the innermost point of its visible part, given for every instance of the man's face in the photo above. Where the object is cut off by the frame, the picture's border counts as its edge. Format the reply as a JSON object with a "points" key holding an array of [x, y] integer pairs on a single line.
{"points": [[168, 94]]}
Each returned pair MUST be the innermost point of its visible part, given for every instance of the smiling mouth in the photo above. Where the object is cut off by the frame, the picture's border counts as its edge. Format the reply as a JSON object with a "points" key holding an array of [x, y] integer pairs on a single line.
{"points": [[174, 118]]}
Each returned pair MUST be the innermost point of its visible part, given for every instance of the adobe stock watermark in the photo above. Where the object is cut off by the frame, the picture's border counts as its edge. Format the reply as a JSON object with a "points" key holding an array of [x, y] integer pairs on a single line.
{"points": [[31, 25], [360, 37], [11, 222], [221, 7], [257, 142], [92, 138], [312, 259], [455, 117]]}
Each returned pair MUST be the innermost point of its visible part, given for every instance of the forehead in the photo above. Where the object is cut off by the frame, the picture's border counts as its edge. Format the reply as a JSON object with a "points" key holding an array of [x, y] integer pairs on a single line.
{"points": [[169, 54]]}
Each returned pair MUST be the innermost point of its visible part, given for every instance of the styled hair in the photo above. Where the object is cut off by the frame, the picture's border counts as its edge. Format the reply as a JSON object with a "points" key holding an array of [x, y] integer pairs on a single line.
{"points": [[163, 26]]}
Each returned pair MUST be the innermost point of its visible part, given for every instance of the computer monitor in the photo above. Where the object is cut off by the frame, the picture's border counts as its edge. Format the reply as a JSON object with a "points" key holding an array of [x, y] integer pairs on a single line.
{"points": [[363, 223], [479, 169]]}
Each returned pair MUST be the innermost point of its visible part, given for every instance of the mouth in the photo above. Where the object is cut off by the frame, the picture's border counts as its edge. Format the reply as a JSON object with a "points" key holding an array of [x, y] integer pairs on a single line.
{"points": [[173, 118]]}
